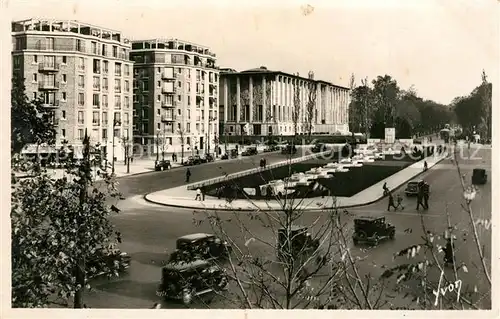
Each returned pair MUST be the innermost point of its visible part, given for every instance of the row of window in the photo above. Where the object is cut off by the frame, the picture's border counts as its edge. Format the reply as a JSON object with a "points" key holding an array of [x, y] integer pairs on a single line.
{"points": [[95, 133], [169, 73], [105, 86], [169, 128]]}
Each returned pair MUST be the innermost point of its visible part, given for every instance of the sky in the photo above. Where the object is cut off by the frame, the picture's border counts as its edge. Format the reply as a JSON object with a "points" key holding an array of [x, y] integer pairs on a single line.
{"points": [[438, 47]]}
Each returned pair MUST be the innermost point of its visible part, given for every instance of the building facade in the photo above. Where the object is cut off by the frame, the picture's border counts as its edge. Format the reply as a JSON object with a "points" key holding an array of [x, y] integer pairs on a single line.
{"points": [[262, 102], [175, 96], [83, 74]]}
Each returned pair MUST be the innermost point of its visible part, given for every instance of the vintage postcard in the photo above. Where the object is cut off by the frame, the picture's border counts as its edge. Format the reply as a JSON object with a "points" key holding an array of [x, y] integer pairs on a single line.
{"points": [[240, 157]]}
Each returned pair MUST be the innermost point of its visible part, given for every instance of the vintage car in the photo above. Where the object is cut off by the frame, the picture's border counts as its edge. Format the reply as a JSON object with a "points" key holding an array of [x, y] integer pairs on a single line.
{"points": [[289, 149], [252, 150], [318, 148], [162, 165], [199, 246], [111, 260], [276, 188], [185, 281], [193, 160], [298, 242], [271, 148], [479, 176], [208, 158], [412, 187], [371, 230]]}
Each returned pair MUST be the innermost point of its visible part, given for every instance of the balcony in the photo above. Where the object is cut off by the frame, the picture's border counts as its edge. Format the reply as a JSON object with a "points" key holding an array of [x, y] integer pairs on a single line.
{"points": [[167, 105], [95, 123], [50, 104], [165, 90], [168, 118], [48, 85], [48, 67], [165, 76], [97, 87]]}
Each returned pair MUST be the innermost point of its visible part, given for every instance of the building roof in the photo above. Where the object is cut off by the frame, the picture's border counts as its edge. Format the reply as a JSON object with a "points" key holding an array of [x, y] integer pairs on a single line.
{"points": [[264, 70]]}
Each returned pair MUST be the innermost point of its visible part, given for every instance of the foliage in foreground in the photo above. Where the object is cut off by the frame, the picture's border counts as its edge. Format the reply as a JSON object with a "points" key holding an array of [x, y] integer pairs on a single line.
{"points": [[57, 227]]}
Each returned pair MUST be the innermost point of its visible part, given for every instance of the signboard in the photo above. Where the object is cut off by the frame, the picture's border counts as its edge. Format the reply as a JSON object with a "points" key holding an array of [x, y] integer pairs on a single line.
{"points": [[390, 135]]}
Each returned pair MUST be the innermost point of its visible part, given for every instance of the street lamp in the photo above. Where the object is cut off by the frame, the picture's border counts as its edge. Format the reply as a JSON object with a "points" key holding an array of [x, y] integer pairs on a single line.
{"points": [[115, 124], [210, 120]]}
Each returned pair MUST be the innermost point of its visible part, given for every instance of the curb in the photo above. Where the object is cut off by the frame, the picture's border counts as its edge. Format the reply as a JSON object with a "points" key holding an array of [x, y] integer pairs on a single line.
{"points": [[274, 210]]}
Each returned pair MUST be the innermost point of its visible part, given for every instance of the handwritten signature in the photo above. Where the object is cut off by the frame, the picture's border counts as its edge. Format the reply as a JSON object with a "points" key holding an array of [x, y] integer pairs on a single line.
{"points": [[457, 286]]}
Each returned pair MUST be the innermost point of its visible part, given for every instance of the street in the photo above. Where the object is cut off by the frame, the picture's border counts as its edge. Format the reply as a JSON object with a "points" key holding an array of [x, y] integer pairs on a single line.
{"points": [[149, 231]]}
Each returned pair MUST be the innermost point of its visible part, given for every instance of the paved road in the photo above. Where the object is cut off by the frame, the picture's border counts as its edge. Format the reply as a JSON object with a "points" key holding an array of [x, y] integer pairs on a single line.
{"points": [[150, 230]]}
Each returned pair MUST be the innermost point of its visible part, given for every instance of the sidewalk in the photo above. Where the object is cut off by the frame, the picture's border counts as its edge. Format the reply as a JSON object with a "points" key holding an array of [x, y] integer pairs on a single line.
{"points": [[182, 198]]}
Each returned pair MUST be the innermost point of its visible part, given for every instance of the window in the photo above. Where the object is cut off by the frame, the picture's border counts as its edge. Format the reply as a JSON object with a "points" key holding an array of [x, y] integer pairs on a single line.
{"points": [[63, 132], [105, 119], [170, 100], [105, 67], [80, 117], [34, 95], [104, 100], [63, 114], [17, 62], [117, 118], [93, 46], [50, 43], [136, 72], [127, 86], [118, 69], [63, 96], [127, 70], [105, 134], [135, 84], [118, 86], [64, 59], [125, 133], [81, 81], [96, 66], [178, 98], [126, 118], [104, 50], [145, 85], [189, 87], [158, 125], [118, 102], [158, 98], [158, 112], [35, 77], [158, 84], [79, 46], [95, 100], [188, 130], [95, 118], [189, 114], [202, 114], [126, 102], [189, 100], [136, 98], [81, 99], [97, 83], [81, 64], [35, 59], [64, 78], [115, 51], [105, 84], [179, 84]]}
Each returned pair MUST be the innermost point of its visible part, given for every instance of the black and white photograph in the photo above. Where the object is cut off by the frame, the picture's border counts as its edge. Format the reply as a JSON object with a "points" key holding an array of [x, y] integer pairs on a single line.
{"points": [[332, 156]]}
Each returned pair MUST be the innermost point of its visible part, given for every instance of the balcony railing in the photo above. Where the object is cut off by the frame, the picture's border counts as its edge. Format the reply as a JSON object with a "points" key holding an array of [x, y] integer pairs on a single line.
{"points": [[97, 87], [165, 76], [48, 67], [168, 118], [167, 104], [95, 123], [51, 104], [48, 85], [167, 90]]}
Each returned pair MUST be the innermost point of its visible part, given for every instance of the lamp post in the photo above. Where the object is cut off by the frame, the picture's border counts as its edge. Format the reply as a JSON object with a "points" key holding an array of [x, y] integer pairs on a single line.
{"points": [[115, 124], [157, 145], [210, 120], [163, 145]]}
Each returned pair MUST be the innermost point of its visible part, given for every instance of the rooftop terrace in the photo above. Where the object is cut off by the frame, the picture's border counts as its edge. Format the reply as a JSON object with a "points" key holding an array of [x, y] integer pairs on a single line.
{"points": [[171, 44], [73, 26]]}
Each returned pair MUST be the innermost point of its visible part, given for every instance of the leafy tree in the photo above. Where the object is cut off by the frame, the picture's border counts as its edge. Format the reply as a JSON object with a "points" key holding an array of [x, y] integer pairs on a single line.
{"points": [[30, 121], [385, 96], [58, 225], [311, 104], [296, 107], [359, 108]]}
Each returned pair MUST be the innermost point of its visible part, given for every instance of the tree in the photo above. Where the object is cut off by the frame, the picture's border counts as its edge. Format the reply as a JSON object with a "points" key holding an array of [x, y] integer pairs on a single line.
{"points": [[385, 95], [30, 121], [361, 99], [54, 240], [296, 107], [182, 139], [486, 94], [311, 115]]}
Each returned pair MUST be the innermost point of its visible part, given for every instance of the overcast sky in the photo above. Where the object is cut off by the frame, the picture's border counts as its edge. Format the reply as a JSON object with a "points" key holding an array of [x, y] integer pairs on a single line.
{"points": [[440, 47]]}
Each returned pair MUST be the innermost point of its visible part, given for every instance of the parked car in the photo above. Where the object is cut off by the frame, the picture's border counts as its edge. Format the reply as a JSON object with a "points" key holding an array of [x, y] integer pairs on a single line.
{"points": [[318, 148], [208, 158], [412, 187], [109, 259], [371, 230], [193, 160], [224, 156], [271, 148], [233, 153], [289, 149], [162, 165], [298, 243], [479, 176], [185, 281], [199, 246], [250, 151]]}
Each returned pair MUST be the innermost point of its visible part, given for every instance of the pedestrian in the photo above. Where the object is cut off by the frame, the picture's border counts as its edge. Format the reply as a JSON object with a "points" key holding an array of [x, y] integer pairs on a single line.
{"points": [[385, 188], [391, 203], [425, 190], [198, 195], [425, 166], [399, 202], [420, 196], [188, 175], [202, 194], [265, 163]]}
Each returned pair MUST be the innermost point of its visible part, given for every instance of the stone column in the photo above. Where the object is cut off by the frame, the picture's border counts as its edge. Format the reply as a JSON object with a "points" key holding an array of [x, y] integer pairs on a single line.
{"points": [[238, 98], [250, 99], [225, 98], [264, 94]]}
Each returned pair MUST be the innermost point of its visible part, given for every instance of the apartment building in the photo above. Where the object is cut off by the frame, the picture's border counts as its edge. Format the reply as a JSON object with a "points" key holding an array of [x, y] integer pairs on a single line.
{"points": [[261, 102], [83, 74], [175, 96]]}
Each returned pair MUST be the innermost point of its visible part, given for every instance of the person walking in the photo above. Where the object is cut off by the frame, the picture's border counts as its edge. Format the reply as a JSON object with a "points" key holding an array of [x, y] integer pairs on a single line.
{"points": [[399, 202], [420, 196], [188, 175], [425, 192], [198, 195], [385, 188], [391, 203]]}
